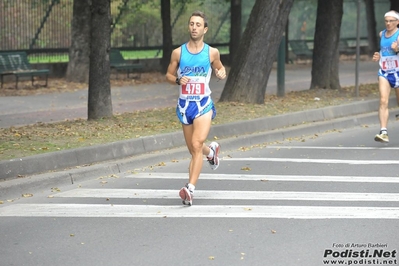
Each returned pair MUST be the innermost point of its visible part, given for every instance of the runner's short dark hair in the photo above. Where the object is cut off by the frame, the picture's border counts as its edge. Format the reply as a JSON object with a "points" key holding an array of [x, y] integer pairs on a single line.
{"points": [[200, 14]]}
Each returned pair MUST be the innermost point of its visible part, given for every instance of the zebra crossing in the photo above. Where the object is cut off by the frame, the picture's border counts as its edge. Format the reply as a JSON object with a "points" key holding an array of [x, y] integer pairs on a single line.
{"points": [[219, 201]]}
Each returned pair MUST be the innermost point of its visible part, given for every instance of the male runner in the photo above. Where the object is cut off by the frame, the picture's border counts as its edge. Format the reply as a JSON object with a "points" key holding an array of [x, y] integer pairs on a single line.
{"points": [[388, 74], [190, 67]]}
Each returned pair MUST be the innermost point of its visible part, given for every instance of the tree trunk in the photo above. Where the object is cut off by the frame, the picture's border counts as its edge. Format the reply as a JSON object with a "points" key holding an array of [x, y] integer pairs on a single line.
{"points": [[371, 28], [235, 28], [100, 104], [258, 47], [395, 5], [167, 45], [325, 63], [78, 65]]}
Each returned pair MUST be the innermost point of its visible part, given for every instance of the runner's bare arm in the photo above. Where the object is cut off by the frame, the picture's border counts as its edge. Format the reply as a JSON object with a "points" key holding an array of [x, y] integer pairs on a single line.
{"points": [[395, 45], [171, 74], [217, 65], [376, 55]]}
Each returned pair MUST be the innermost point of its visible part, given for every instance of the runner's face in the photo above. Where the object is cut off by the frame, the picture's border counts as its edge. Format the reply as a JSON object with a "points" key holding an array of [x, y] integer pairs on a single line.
{"points": [[391, 23], [197, 28]]}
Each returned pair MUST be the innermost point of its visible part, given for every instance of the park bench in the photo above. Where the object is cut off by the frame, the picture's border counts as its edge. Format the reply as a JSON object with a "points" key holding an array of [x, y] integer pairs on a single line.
{"points": [[345, 49], [300, 49], [118, 63], [17, 64]]}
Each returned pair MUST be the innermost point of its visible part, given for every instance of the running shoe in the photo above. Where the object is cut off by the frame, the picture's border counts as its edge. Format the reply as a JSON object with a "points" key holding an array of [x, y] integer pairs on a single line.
{"points": [[382, 137], [214, 161], [186, 195]]}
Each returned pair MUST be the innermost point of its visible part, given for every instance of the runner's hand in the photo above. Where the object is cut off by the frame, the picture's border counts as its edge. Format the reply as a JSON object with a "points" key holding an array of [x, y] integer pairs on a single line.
{"points": [[394, 46], [220, 74], [376, 56], [184, 80]]}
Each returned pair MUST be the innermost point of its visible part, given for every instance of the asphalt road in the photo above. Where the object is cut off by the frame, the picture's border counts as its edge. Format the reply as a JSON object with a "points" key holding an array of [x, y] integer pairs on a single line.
{"points": [[309, 200]]}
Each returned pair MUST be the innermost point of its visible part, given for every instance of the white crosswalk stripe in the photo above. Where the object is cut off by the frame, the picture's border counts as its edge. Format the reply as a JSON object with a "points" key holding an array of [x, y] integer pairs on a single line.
{"points": [[228, 211], [323, 161], [233, 211], [168, 204], [242, 195], [296, 178]]}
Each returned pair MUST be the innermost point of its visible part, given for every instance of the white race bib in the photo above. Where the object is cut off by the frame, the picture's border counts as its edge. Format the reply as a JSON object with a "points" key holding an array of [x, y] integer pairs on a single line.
{"points": [[390, 63], [194, 89]]}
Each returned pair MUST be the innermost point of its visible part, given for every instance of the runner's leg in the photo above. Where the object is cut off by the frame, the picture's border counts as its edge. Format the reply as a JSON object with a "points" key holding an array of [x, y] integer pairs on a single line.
{"points": [[397, 95], [195, 136], [385, 90]]}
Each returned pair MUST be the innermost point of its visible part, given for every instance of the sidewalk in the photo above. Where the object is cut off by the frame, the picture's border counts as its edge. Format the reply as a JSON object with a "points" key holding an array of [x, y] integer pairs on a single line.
{"points": [[22, 110], [117, 157]]}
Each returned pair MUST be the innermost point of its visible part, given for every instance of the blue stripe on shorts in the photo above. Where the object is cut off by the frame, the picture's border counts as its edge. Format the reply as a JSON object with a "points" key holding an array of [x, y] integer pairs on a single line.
{"points": [[393, 78], [187, 111]]}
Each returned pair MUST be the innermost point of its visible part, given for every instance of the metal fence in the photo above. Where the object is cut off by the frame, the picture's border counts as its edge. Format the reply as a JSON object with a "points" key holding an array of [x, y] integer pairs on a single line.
{"points": [[43, 27]]}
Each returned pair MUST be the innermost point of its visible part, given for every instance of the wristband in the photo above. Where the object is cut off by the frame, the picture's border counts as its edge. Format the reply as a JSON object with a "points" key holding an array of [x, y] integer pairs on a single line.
{"points": [[178, 81]]}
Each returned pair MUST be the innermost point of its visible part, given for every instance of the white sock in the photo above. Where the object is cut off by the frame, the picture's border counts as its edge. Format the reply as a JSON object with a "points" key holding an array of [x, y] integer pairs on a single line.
{"points": [[211, 153], [384, 129], [191, 187]]}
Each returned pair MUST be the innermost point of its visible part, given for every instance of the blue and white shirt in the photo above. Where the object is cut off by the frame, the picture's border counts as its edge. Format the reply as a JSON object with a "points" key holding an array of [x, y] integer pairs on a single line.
{"points": [[198, 68], [389, 60]]}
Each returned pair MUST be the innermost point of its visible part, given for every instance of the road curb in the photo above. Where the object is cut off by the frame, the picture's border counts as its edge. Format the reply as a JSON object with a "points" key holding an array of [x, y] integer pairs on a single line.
{"points": [[121, 149], [76, 165]]}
